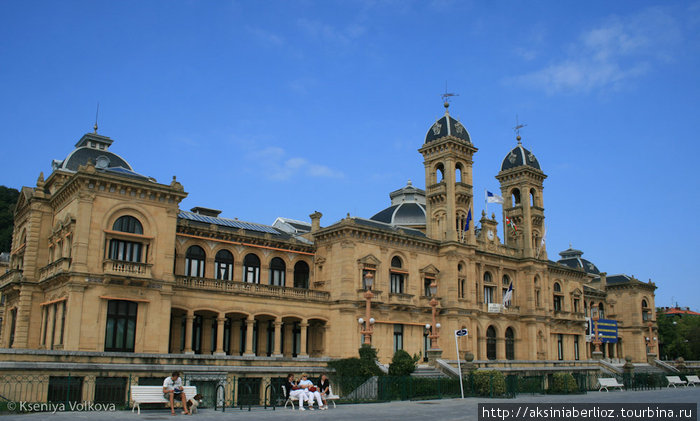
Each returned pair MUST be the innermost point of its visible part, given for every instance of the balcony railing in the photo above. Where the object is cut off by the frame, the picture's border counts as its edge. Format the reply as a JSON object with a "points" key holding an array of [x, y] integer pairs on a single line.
{"points": [[118, 267], [254, 289], [14, 275], [395, 298], [54, 268]]}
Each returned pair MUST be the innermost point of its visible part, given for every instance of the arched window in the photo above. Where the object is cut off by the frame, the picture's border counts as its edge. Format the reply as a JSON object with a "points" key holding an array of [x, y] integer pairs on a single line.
{"points": [[301, 275], [458, 173], [516, 197], [122, 249], [194, 261], [439, 173], [601, 311], [396, 276], [491, 343], [251, 269], [277, 269], [558, 297], [128, 224], [645, 311], [223, 263], [462, 280], [487, 277], [488, 289], [533, 194], [510, 344]]}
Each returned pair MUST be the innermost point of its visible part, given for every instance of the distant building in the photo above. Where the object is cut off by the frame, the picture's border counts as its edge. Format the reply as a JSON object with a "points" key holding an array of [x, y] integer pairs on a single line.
{"points": [[677, 311]]}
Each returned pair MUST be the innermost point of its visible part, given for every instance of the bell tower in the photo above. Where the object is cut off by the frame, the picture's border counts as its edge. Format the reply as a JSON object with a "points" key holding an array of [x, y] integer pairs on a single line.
{"points": [[523, 211], [447, 156]]}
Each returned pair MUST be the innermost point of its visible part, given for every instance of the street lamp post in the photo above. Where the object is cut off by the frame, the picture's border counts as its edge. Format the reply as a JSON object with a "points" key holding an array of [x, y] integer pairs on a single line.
{"points": [[597, 353], [368, 321], [433, 303], [651, 339]]}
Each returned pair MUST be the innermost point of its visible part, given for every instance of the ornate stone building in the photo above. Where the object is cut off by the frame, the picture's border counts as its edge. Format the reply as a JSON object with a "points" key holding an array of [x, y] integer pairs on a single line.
{"points": [[106, 265]]}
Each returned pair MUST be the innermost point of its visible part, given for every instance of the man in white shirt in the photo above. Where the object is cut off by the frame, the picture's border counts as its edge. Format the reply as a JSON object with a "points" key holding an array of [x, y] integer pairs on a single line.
{"points": [[312, 392], [172, 389]]}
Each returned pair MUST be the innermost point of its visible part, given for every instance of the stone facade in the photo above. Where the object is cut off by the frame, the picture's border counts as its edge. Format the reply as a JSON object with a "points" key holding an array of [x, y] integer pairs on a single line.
{"points": [[104, 261]]}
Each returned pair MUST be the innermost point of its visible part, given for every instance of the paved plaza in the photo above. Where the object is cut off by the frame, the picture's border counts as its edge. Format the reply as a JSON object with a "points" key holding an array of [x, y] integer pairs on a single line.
{"points": [[445, 409]]}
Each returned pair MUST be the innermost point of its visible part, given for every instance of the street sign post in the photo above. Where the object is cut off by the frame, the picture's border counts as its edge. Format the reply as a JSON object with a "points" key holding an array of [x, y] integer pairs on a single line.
{"points": [[458, 334]]}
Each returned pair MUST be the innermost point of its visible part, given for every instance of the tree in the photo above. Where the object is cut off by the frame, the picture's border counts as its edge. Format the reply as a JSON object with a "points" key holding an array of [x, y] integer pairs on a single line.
{"points": [[679, 336], [402, 364], [8, 200]]}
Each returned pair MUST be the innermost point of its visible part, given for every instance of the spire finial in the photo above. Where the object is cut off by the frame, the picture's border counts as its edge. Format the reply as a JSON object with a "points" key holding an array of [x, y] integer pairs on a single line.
{"points": [[517, 128], [446, 98], [97, 114]]}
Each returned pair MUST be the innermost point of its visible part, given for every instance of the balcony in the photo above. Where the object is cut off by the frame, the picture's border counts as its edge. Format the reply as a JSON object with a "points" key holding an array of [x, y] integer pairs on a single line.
{"points": [[401, 299], [11, 276], [260, 290], [122, 268], [376, 295], [59, 266]]}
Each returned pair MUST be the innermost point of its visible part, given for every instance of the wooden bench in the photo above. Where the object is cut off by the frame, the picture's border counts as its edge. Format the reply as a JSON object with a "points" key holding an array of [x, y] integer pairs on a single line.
{"points": [[330, 396], [154, 394], [693, 380], [605, 383], [675, 381]]}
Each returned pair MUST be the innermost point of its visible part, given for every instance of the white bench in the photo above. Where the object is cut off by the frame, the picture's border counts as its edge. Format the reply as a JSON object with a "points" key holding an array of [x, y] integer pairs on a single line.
{"points": [[605, 383], [154, 394], [330, 397], [693, 380], [675, 381]]}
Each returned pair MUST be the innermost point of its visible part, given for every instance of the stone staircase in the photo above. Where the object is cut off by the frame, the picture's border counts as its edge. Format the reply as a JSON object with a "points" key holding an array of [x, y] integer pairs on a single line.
{"points": [[648, 368], [427, 371]]}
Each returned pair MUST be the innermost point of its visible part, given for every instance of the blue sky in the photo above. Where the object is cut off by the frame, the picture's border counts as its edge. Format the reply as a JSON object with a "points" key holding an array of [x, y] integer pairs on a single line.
{"points": [[281, 108]]}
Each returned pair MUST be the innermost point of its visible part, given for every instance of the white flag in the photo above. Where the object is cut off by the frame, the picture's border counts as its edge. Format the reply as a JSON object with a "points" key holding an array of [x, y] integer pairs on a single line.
{"points": [[493, 198], [508, 296]]}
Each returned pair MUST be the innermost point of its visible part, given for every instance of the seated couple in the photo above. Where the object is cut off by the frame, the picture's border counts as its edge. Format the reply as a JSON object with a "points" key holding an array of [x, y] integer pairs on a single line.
{"points": [[304, 390]]}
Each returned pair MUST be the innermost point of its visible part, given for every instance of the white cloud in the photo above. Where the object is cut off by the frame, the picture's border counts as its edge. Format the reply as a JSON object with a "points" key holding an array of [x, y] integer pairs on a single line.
{"points": [[266, 37], [274, 164], [609, 54]]}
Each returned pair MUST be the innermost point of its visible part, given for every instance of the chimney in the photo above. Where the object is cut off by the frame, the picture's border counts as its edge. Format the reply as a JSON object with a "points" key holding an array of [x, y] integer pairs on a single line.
{"points": [[603, 280], [315, 221]]}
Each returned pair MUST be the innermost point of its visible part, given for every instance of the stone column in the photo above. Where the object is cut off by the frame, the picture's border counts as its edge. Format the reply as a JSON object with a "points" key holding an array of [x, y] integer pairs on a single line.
{"points": [[235, 337], [44, 325], [220, 321], [206, 335], [250, 325], [50, 323], [500, 348], [60, 325], [277, 352], [289, 335], [326, 332], [304, 327], [189, 324]]}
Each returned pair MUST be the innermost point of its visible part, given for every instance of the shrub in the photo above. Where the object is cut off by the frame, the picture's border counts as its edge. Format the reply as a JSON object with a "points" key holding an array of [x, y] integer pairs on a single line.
{"points": [[402, 364], [489, 383], [563, 383]]}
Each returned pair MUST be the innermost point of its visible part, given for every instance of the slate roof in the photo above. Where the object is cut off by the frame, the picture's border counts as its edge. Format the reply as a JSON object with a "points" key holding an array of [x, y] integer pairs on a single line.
{"points": [[519, 157], [403, 214], [447, 126], [388, 227]]}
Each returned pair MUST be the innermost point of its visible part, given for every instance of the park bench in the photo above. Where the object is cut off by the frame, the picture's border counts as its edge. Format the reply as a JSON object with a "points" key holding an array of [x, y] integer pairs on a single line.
{"points": [[693, 380], [330, 397], [605, 383], [154, 394], [675, 381]]}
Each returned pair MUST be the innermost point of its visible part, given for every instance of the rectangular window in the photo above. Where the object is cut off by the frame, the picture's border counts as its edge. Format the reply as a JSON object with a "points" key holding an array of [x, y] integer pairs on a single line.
{"points": [[121, 326], [576, 305], [126, 251], [560, 346], [557, 303], [63, 322], [397, 284], [398, 337], [576, 352], [537, 298], [462, 285], [62, 389], [488, 295], [426, 286], [13, 322], [53, 324]]}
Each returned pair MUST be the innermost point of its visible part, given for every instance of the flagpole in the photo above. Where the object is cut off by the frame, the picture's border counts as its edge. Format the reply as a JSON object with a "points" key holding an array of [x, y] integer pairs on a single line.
{"points": [[486, 202], [459, 366]]}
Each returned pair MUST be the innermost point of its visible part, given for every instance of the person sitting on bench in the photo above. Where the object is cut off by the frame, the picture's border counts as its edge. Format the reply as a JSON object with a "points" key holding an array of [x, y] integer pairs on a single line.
{"points": [[172, 389]]}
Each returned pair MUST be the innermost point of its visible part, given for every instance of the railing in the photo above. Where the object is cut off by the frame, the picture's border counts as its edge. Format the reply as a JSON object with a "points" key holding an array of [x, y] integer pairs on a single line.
{"points": [[248, 288], [13, 275], [119, 267], [666, 366], [59, 266]]}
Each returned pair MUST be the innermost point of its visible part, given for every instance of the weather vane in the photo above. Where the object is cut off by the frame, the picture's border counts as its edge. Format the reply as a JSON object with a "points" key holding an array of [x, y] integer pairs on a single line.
{"points": [[447, 95], [517, 128]]}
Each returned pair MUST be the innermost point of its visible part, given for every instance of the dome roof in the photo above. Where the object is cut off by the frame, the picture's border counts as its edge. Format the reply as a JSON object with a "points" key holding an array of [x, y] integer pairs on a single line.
{"points": [[572, 258], [407, 207], [447, 126], [518, 157], [95, 148]]}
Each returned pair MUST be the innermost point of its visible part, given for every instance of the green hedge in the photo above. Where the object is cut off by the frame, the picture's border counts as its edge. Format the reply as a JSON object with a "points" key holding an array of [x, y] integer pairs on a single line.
{"points": [[563, 383], [489, 383]]}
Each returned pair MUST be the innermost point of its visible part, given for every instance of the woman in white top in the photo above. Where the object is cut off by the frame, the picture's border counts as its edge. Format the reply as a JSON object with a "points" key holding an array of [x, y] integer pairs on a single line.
{"points": [[312, 391]]}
